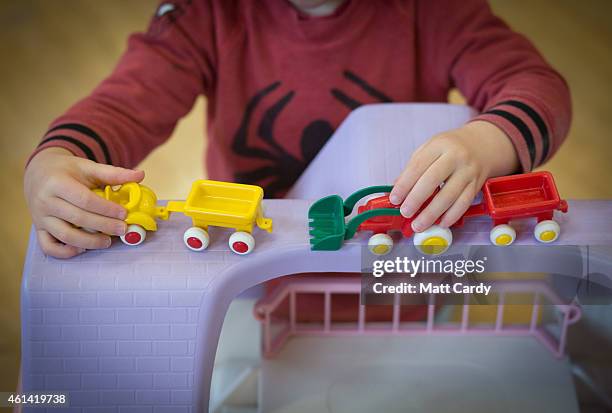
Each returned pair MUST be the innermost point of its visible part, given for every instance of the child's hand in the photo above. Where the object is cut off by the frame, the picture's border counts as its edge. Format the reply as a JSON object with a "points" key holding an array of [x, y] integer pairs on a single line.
{"points": [[463, 159], [57, 188]]}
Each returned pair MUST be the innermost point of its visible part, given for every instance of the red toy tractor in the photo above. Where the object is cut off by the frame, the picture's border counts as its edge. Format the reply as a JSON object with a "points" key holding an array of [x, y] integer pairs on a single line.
{"points": [[530, 195]]}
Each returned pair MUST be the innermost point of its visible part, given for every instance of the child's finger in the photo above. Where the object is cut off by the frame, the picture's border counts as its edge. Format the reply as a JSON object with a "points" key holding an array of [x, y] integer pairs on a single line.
{"points": [[82, 197], [461, 205], [426, 185], [70, 235], [111, 175], [65, 210], [443, 200], [416, 168], [54, 248]]}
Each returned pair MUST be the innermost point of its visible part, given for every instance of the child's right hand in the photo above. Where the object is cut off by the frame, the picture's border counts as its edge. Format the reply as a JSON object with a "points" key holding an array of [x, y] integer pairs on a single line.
{"points": [[57, 188]]}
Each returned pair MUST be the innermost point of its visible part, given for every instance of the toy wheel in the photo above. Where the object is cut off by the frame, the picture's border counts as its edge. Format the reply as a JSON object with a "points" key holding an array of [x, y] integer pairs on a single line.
{"points": [[547, 231], [196, 239], [502, 235], [241, 243], [134, 235], [380, 244], [434, 240]]}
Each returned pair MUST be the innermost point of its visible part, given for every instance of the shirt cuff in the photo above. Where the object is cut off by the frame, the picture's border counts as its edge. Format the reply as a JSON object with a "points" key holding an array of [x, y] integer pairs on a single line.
{"points": [[524, 127], [79, 139]]}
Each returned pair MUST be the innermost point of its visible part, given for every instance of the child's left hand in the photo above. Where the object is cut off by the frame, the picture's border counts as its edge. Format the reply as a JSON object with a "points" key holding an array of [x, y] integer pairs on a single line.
{"points": [[463, 159]]}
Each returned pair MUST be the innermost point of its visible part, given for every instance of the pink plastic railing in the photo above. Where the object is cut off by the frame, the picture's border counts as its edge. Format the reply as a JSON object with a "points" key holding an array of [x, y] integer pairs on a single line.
{"points": [[272, 341]]}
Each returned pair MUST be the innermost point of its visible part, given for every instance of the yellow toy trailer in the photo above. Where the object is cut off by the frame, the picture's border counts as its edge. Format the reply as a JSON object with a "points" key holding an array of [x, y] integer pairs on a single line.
{"points": [[141, 204], [222, 204], [210, 203]]}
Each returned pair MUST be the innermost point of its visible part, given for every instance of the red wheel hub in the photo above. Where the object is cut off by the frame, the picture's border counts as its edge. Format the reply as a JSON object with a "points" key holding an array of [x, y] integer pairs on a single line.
{"points": [[240, 247], [132, 238], [194, 243]]}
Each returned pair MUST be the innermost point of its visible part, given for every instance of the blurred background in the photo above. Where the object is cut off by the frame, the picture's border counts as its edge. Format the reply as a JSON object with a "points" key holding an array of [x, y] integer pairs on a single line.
{"points": [[55, 51]]}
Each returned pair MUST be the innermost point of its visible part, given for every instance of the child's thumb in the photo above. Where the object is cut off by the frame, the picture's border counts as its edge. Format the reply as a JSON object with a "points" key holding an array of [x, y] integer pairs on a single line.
{"points": [[114, 175]]}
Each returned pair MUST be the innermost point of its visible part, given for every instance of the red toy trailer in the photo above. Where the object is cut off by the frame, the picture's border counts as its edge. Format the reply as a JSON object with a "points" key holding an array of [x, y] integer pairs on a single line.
{"points": [[531, 195]]}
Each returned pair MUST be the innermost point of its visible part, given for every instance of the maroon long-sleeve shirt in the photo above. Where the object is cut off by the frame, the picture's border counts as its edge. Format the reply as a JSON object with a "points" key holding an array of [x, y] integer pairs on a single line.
{"points": [[278, 83]]}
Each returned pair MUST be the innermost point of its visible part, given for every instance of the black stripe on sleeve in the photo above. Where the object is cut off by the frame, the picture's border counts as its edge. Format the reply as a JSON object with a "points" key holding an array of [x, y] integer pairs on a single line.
{"points": [[86, 150], [86, 131], [522, 128], [537, 119]]}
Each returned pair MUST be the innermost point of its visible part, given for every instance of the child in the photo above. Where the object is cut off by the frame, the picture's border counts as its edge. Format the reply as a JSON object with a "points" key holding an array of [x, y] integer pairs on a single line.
{"points": [[279, 76]]}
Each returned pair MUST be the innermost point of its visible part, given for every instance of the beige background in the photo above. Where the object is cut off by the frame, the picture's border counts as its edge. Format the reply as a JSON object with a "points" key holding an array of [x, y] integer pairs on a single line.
{"points": [[55, 51]]}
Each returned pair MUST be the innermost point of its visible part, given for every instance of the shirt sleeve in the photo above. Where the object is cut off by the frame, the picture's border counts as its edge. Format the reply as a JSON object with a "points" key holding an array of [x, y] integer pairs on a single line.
{"points": [[155, 83], [499, 72]]}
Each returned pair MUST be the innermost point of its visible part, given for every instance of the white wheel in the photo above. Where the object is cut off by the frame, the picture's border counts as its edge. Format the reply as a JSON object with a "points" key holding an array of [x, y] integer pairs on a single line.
{"points": [[547, 231], [380, 244], [241, 243], [196, 239], [134, 235], [502, 235], [433, 241]]}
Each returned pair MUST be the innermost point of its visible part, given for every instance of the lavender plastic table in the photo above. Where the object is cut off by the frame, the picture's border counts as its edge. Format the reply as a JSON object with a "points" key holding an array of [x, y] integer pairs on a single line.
{"points": [[136, 329]]}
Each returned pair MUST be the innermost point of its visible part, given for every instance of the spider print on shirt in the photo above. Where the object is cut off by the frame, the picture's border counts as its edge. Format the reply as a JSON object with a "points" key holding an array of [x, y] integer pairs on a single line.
{"points": [[283, 169]]}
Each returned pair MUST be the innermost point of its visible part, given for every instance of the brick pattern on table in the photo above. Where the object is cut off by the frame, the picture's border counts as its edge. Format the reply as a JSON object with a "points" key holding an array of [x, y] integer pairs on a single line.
{"points": [[117, 328]]}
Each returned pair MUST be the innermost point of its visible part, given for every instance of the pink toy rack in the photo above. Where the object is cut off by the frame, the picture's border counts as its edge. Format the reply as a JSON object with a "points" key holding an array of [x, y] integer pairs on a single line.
{"points": [[275, 336]]}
